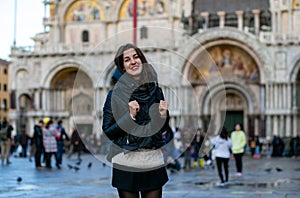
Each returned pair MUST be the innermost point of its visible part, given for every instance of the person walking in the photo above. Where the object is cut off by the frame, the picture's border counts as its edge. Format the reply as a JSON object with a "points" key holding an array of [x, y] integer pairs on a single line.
{"points": [[24, 142], [38, 141], [135, 116], [49, 141], [238, 139], [76, 144], [5, 135], [222, 146], [60, 136]]}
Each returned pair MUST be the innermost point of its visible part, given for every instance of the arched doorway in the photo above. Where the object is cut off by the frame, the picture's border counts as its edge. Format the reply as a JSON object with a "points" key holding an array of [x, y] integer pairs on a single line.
{"points": [[71, 97], [25, 105], [233, 109], [228, 85]]}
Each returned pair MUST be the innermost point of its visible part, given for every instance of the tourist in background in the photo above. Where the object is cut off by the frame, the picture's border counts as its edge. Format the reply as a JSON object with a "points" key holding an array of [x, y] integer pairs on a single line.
{"points": [[50, 144], [238, 139], [60, 136], [6, 130], [38, 141], [222, 148]]}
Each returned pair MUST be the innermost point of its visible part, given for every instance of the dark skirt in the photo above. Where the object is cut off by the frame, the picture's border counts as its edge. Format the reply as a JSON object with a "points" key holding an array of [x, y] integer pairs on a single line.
{"points": [[139, 181]]}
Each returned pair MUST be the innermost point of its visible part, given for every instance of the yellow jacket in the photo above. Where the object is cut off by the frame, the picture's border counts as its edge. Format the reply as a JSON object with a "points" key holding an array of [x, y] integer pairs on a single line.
{"points": [[238, 139]]}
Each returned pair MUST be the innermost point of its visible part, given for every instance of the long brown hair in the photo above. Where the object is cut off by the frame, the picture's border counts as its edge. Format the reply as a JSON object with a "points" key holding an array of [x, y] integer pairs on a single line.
{"points": [[119, 56]]}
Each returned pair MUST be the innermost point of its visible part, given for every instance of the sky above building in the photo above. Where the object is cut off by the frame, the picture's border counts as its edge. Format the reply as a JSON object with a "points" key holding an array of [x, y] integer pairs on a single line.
{"points": [[29, 21]]}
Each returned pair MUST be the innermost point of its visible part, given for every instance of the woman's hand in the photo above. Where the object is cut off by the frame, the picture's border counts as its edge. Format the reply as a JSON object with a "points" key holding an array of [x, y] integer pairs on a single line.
{"points": [[134, 107], [163, 108]]}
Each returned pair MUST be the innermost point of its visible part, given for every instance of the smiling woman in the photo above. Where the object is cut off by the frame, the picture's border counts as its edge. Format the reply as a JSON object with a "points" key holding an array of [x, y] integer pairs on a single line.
{"points": [[135, 116]]}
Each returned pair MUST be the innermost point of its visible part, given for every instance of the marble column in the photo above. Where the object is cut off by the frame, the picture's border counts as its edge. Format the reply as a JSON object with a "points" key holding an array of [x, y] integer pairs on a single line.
{"points": [[256, 13], [268, 128], [256, 124], [281, 130], [274, 23], [295, 126], [262, 99], [275, 125], [206, 18], [279, 105], [239, 14], [289, 99], [276, 96], [284, 94], [267, 96], [44, 105], [279, 22], [294, 96], [222, 18], [288, 126], [271, 95]]}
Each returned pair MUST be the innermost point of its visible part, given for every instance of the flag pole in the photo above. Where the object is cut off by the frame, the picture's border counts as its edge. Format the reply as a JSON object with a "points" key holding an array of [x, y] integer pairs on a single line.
{"points": [[135, 2], [15, 24]]}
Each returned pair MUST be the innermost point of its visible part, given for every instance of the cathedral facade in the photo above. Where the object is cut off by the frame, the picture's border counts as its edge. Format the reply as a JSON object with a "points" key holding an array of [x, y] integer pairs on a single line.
{"points": [[219, 62]]}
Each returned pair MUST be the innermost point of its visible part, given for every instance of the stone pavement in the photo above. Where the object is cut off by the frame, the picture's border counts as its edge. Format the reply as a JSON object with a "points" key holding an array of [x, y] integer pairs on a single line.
{"points": [[275, 177]]}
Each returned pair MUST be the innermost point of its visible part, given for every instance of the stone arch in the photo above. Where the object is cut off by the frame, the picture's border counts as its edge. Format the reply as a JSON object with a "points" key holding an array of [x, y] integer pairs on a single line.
{"points": [[22, 78], [199, 42], [245, 92], [61, 65], [25, 101], [105, 78], [295, 69]]}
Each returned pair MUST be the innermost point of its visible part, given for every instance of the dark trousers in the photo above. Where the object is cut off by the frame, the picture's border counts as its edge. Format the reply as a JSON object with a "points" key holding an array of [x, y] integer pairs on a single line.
{"points": [[37, 156], [48, 156], [222, 161], [238, 162], [60, 151]]}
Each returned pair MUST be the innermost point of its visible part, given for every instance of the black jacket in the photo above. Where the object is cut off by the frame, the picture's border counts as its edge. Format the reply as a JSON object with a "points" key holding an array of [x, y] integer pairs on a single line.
{"points": [[144, 132], [38, 136]]}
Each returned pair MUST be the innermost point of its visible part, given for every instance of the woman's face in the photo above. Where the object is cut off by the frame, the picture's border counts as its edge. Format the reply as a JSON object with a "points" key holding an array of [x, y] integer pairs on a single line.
{"points": [[237, 127], [132, 62]]}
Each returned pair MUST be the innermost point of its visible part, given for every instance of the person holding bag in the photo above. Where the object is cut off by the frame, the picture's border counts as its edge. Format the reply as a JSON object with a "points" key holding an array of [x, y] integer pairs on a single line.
{"points": [[135, 118], [222, 147]]}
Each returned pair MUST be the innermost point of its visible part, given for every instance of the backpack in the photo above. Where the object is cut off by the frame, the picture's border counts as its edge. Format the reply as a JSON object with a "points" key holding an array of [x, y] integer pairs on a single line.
{"points": [[3, 133], [58, 135]]}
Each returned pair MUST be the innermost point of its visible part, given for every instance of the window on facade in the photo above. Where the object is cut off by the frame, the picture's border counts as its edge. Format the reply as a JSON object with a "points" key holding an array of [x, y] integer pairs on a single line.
{"points": [[231, 20], [4, 104], [144, 32], [213, 20], [5, 71], [249, 20], [85, 36], [265, 20], [4, 87]]}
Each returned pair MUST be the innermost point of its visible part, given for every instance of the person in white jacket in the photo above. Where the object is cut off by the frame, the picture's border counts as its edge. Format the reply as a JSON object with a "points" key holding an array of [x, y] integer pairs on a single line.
{"points": [[222, 145]]}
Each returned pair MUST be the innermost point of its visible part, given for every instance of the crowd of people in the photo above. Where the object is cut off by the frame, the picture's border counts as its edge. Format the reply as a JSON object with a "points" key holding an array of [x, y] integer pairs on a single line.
{"points": [[50, 140], [47, 141], [223, 147]]}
